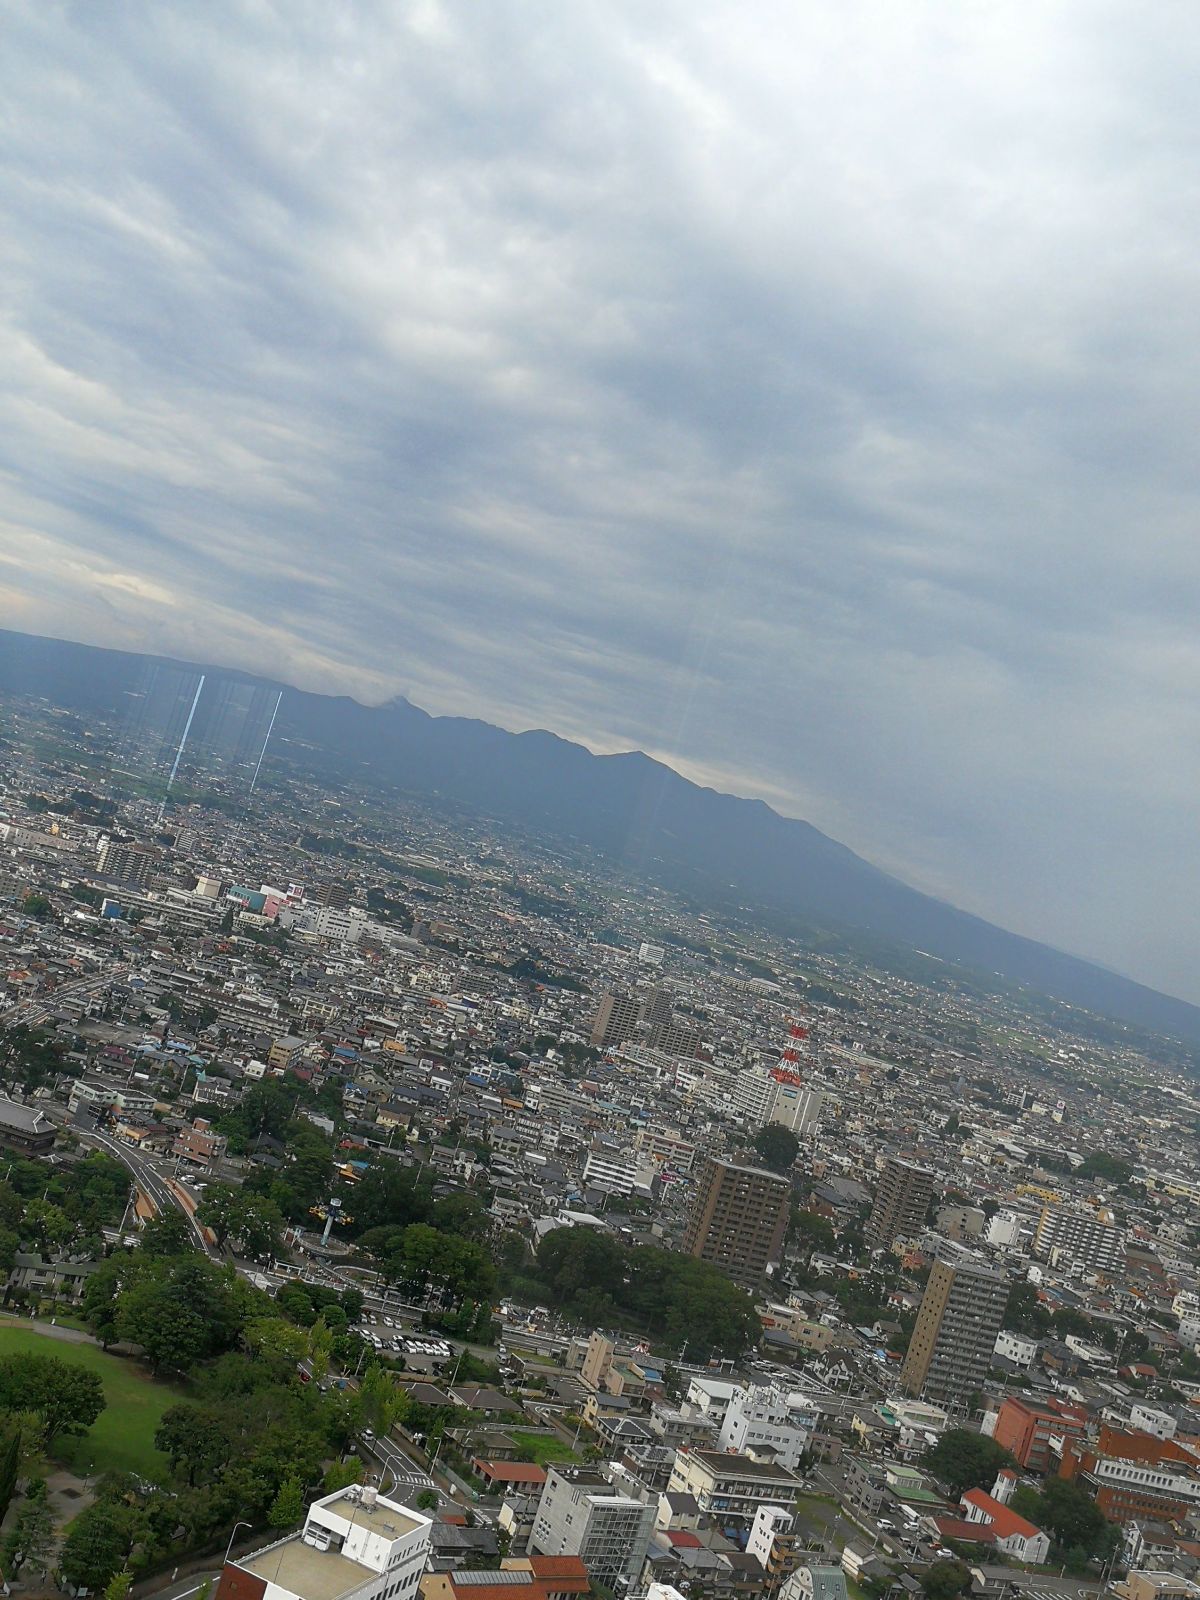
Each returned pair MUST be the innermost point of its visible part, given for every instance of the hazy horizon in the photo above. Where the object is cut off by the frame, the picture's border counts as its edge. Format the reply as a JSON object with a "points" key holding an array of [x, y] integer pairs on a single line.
{"points": [[804, 398]]}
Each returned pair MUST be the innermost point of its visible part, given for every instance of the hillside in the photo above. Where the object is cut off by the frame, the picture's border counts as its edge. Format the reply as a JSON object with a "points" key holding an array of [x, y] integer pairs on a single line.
{"points": [[634, 810]]}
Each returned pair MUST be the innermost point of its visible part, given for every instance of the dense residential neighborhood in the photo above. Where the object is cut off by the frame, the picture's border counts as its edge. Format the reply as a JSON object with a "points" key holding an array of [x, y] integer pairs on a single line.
{"points": [[438, 1209]]}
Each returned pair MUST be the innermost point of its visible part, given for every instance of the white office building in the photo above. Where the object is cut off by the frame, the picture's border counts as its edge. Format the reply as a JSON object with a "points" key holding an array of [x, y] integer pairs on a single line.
{"points": [[769, 1424], [619, 1171], [341, 924], [710, 1398], [1016, 1348], [797, 1108], [354, 1541], [769, 1523]]}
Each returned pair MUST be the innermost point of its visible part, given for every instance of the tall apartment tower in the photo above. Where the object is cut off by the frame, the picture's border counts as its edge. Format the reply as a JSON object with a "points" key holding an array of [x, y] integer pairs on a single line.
{"points": [[961, 1311], [332, 894], [901, 1202], [657, 1006], [615, 1021], [738, 1219], [597, 1363], [126, 862], [1076, 1239]]}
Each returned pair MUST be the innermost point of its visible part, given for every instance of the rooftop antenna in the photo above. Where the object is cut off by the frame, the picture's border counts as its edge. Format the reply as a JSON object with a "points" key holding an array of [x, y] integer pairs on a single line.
{"points": [[187, 728]]}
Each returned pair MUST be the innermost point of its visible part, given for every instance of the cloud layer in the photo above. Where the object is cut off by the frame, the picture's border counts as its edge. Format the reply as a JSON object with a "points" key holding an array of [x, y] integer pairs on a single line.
{"points": [[804, 394]]}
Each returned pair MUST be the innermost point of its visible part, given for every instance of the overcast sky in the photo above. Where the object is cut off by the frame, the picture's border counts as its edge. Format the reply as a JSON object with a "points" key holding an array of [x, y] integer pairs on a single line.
{"points": [[806, 394]]}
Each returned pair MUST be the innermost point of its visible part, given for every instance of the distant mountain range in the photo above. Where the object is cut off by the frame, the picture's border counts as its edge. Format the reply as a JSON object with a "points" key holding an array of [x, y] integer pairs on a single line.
{"points": [[630, 808]]}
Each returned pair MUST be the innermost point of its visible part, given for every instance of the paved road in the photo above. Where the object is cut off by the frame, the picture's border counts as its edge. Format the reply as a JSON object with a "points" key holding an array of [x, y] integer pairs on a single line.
{"points": [[52, 1330], [399, 1469], [34, 1011], [150, 1179]]}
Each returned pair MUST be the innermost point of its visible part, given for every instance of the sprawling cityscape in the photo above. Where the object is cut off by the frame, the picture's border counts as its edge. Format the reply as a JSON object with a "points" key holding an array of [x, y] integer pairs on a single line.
{"points": [[398, 1203]]}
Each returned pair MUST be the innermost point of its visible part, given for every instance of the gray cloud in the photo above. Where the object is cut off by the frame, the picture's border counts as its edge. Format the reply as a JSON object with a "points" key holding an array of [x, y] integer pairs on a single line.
{"points": [[802, 394]]}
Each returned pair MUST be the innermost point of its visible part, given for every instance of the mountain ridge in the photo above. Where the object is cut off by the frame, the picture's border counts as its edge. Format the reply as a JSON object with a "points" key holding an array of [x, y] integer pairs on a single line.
{"points": [[628, 806]]}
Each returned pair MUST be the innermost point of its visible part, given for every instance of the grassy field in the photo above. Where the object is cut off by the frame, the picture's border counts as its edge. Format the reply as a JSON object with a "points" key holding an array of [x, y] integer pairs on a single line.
{"points": [[543, 1447], [122, 1437]]}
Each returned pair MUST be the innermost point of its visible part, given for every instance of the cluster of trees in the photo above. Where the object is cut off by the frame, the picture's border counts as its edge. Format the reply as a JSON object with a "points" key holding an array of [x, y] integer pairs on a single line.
{"points": [[270, 1109], [1109, 1169], [963, 1460], [392, 1196], [28, 1057], [59, 1209], [421, 1259], [252, 1224], [42, 1398], [249, 1443], [604, 1281], [1025, 1313], [776, 1147], [303, 1303], [178, 1306], [1068, 1513]]}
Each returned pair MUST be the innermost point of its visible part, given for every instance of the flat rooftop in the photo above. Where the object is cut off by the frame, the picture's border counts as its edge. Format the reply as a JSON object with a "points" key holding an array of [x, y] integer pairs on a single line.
{"points": [[385, 1517], [313, 1574], [326, 1574]]}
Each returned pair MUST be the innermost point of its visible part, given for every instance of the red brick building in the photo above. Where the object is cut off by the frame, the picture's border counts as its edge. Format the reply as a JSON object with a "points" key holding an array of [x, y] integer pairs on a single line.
{"points": [[1026, 1427]]}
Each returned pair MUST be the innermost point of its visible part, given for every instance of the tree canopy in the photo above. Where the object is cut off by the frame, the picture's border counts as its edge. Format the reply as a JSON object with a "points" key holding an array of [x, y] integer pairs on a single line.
{"points": [[964, 1460], [68, 1398], [776, 1146], [601, 1279]]}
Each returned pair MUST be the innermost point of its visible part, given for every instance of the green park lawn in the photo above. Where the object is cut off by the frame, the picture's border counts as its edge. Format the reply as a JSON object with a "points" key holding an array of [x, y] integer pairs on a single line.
{"points": [[122, 1437], [543, 1447]]}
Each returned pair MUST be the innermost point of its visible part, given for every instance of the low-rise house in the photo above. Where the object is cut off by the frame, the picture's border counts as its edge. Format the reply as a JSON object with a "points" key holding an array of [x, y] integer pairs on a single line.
{"points": [[1013, 1534]]}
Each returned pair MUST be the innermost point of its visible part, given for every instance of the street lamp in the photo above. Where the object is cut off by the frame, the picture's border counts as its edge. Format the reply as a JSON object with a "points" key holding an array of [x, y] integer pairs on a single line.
{"points": [[232, 1537]]}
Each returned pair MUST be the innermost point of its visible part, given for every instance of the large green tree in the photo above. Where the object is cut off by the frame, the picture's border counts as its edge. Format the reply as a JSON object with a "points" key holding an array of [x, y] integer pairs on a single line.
{"points": [[98, 1544], [964, 1460], [30, 1539], [68, 1398], [287, 1508], [942, 1580], [196, 1440], [776, 1147], [1069, 1514]]}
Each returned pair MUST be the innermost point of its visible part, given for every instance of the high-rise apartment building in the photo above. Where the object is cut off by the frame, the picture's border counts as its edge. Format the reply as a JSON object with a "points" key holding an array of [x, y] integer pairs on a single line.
{"points": [[675, 1037], [615, 1021], [124, 861], [753, 1096], [581, 1514], [597, 1361], [657, 1006], [738, 1219], [762, 1097], [1080, 1239], [336, 895], [961, 1311], [901, 1201]]}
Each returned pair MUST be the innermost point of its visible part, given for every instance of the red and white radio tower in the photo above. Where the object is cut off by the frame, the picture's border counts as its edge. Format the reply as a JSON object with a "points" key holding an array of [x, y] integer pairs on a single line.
{"points": [[788, 1068]]}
